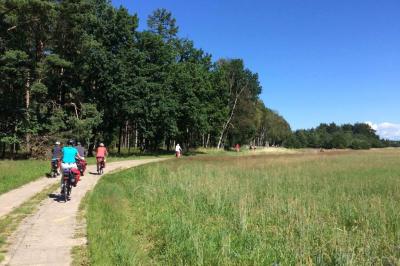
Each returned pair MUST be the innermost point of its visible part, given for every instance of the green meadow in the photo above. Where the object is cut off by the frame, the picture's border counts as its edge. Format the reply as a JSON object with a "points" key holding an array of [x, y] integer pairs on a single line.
{"points": [[331, 208], [14, 174]]}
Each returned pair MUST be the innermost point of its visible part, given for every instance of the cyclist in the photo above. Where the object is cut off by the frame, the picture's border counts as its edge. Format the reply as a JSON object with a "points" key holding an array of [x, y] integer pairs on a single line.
{"points": [[81, 150], [81, 163], [56, 155], [101, 154], [68, 160]]}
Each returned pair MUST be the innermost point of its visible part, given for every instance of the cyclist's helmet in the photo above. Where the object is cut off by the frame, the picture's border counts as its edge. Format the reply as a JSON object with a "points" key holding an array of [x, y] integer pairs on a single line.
{"points": [[71, 142], [78, 143], [57, 143], [101, 145]]}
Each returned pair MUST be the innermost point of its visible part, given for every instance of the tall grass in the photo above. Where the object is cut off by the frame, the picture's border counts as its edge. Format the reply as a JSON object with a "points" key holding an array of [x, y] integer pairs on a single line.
{"points": [[17, 173], [335, 209]]}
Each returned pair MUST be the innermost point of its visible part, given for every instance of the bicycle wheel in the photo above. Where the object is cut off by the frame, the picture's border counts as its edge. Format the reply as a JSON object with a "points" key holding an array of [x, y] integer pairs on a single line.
{"points": [[64, 191], [69, 188]]}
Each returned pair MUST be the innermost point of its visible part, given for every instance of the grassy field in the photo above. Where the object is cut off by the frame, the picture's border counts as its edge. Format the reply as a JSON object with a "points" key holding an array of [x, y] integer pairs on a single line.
{"points": [[16, 173], [332, 208]]}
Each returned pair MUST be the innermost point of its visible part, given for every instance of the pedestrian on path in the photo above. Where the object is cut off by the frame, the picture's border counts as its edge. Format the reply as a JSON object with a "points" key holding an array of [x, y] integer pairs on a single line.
{"points": [[178, 151]]}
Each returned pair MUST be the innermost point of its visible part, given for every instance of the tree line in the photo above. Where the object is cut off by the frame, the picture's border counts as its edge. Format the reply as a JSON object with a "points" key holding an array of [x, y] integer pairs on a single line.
{"points": [[329, 136], [81, 69]]}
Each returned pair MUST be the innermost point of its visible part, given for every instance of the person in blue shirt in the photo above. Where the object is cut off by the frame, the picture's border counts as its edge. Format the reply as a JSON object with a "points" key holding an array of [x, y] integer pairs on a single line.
{"points": [[69, 154]]}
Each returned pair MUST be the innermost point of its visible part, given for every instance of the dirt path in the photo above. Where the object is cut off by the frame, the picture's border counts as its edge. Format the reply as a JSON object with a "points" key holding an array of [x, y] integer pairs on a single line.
{"points": [[14, 198], [47, 237]]}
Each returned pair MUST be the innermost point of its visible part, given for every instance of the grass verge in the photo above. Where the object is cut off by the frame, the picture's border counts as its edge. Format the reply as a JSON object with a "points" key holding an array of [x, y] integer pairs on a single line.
{"points": [[80, 253], [335, 209], [17, 173], [10, 222]]}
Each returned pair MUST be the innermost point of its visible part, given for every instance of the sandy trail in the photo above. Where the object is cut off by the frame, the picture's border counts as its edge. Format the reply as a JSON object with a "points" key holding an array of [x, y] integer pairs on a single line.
{"points": [[14, 198], [47, 237]]}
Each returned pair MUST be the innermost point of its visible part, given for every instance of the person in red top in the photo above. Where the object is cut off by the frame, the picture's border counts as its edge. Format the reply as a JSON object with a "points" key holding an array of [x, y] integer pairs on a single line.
{"points": [[101, 153], [237, 147]]}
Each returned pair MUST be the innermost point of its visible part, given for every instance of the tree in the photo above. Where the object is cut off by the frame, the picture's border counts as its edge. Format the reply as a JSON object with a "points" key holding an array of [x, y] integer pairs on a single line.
{"points": [[162, 23], [240, 83], [14, 66]]}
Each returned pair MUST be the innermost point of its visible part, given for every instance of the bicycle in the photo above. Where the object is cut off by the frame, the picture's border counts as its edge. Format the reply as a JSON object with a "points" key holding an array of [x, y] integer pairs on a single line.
{"points": [[81, 164], [100, 165], [66, 187], [54, 167]]}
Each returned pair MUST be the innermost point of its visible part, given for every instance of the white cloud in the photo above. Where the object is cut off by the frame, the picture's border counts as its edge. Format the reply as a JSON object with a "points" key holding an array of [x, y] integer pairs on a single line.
{"points": [[386, 130]]}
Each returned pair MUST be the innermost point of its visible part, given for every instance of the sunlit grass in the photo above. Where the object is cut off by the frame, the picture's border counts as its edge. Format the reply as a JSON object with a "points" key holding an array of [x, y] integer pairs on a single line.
{"points": [[326, 208], [17, 173]]}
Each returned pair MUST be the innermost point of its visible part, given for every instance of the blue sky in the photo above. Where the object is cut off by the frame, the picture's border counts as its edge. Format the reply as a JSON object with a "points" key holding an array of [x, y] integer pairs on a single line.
{"points": [[318, 60]]}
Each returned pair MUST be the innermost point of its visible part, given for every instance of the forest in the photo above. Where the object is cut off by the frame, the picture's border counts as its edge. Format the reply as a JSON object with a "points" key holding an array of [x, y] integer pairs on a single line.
{"points": [[81, 69], [331, 136]]}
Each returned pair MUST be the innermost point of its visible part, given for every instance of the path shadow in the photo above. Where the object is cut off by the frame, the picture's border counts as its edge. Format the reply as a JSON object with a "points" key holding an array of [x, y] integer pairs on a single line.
{"points": [[50, 176], [56, 197], [94, 173]]}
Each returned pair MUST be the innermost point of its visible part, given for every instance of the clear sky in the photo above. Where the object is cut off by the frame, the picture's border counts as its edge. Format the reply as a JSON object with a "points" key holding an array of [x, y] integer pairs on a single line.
{"points": [[318, 60]]}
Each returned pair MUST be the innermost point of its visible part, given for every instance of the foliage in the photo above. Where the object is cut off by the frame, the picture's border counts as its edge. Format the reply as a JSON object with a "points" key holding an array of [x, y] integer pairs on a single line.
{"points": [[81, 69], [357, 136]]}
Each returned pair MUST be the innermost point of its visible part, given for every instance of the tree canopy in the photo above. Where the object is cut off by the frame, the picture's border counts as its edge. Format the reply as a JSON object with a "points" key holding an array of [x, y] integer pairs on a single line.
{"points": [[81, 69], [328, 136]]}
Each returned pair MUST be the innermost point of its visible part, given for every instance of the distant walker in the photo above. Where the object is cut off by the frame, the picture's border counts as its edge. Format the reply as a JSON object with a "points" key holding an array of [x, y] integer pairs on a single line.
{"points": [[178, 151]]}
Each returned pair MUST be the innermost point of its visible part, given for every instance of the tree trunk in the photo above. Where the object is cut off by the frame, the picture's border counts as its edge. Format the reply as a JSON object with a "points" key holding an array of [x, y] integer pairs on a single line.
{"points": [[144, 144], [27, 115], [91, 145], [4, 151], [187, 139], [14, 146], [136, 137], [120, 139], [128, 137], [168, 144], [208, 140], [129, 141], [87, 141], [226, 124]]}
